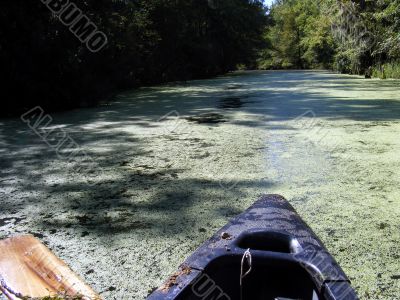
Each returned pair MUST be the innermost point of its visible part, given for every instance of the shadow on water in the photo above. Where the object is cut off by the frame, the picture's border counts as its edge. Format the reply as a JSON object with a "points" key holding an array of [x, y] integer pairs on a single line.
{"points": [[230, 102], [112, 132], [235, 102], [207, 118]]}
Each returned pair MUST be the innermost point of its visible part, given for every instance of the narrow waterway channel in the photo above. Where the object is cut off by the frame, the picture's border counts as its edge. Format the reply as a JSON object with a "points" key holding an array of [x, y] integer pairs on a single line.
{"points": [[175, 163]]}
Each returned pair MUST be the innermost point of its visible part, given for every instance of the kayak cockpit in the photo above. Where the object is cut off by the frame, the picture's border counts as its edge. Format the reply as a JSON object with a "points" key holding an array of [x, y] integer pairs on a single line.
{"points": [[266, 253], [270, 278]]}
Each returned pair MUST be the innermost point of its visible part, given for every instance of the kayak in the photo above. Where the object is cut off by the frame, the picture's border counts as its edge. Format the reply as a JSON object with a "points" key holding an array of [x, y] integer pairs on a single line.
{"points": [[266, 253]]}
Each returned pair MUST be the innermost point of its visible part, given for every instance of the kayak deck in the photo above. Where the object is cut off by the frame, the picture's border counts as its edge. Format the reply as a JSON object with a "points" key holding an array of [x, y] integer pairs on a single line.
{"points": [[287, 261]]}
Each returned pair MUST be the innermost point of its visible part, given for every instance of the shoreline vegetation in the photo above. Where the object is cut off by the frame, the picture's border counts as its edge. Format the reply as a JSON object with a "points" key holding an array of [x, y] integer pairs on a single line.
{"points": [[387, 71], [157, 42], [355, 37], [149, 42]]}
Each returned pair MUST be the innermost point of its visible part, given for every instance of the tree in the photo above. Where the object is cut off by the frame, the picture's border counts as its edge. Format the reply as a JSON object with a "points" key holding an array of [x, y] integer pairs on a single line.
{"points": [[149, 42], [300, 36], [351, 36]]}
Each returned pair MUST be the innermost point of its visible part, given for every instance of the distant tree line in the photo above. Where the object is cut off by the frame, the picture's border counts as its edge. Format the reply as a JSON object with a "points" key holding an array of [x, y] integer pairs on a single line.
{"points": [[149, 42], [44, 62], [350, 36]]}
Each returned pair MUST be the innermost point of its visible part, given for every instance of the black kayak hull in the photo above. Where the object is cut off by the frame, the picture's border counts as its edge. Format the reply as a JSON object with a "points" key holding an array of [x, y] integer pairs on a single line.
{"points": [[288, 261]]}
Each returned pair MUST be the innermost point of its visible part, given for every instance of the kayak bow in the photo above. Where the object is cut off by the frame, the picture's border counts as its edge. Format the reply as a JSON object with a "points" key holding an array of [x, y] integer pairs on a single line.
{"points": [[266, 253]]}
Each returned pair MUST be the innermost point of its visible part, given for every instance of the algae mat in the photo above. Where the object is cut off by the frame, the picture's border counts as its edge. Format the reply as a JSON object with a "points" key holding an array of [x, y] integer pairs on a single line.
{"points": [[172, 164]]}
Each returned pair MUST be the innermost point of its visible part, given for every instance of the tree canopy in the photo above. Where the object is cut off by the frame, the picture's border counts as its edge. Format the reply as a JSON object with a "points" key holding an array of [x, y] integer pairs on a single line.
{"points": [[350, 36], [149, 42]]}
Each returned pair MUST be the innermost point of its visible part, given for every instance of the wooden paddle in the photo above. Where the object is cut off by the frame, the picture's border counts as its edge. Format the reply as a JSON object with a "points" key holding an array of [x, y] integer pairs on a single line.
{"points": [[29, 269]]}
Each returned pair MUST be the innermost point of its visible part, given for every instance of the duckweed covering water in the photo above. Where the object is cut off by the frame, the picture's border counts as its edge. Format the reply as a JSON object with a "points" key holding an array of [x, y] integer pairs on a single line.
{"points": [[165, 181]]}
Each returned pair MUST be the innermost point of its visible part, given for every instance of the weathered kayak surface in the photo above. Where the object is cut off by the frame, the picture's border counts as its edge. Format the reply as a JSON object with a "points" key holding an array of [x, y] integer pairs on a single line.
{"points": [[267, 252]]}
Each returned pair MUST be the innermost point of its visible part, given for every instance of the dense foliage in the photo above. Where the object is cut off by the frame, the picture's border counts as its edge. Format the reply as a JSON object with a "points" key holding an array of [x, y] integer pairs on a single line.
{"points": [[351, 36], [43, 63], [300, 36], [149, 42]]}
